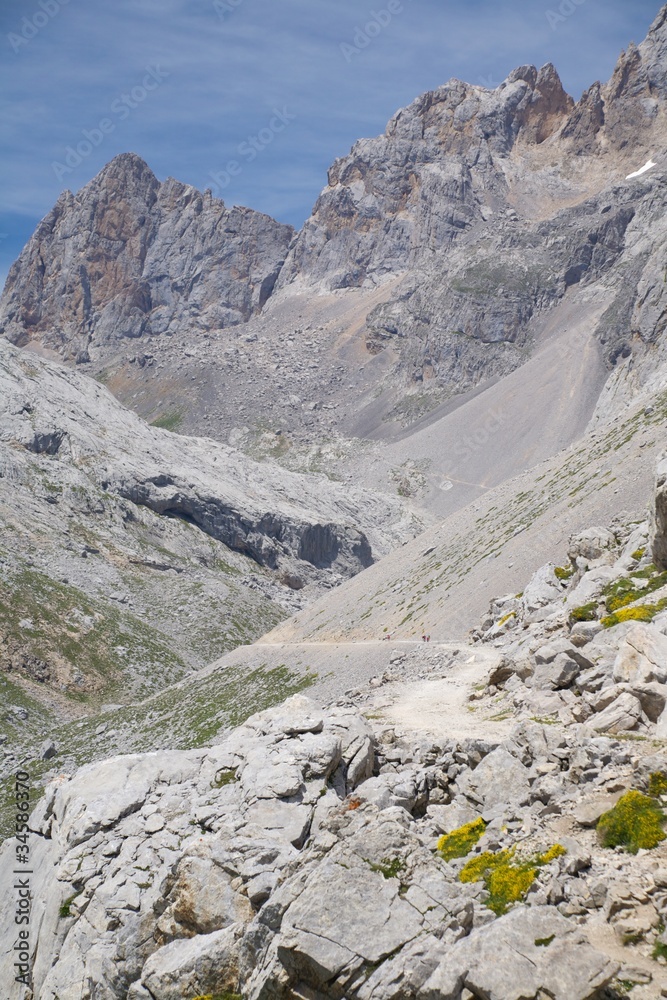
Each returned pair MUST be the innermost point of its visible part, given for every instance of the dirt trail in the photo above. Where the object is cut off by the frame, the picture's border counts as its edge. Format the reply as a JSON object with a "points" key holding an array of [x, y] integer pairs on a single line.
{"points": [[439, 707]]}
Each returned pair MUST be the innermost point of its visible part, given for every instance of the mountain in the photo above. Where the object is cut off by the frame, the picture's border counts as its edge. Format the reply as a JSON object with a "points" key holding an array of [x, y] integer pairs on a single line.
{"points": [[441, 257], [130, 257], [238, 464]]}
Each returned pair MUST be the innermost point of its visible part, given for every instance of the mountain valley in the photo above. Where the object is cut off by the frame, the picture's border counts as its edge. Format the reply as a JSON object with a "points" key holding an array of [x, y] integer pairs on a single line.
{"points": [[245, 471]]}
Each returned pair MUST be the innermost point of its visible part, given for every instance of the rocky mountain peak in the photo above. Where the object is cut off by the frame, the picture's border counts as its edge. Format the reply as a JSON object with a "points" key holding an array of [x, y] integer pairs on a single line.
{"points": [[128, 256], [128, 174], [641, 69]]}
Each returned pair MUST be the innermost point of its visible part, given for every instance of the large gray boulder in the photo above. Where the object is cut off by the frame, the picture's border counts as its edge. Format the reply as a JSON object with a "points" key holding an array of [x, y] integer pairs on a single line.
{"points": [[526, 955], [500, 779], [642, 656]]}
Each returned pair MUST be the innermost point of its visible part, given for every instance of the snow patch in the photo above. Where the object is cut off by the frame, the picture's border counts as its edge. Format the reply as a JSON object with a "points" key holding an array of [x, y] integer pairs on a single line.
{"points": [[638, 173]]}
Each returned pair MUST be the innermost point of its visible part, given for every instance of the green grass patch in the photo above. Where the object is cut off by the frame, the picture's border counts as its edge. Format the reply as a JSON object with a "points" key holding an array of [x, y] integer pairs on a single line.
{"points": [[169, 421], [635, 823], [659, 950], [65, 909], [224, 777], [564, 572], [586, 613], [116, 654], [389, 867]]}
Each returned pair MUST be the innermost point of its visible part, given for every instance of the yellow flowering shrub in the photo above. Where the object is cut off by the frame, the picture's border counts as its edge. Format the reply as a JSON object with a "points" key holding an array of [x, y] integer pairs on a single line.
{"points": [[657, 784], [635, 822], [557, 851], [459, 843], [507, 878]]}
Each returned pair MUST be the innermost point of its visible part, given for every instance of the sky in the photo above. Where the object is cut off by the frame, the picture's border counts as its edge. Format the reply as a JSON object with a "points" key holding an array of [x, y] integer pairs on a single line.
{"points": [[255, 98]]}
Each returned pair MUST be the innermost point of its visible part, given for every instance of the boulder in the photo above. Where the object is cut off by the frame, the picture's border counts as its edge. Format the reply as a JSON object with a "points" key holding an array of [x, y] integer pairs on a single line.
{"points": [[588, 812], [623, 715], [529, 953], [500, 779], [642, 656], [556, 674], [544, 589], [583, 632], [193, 967], [591, 544], [344, 918]]}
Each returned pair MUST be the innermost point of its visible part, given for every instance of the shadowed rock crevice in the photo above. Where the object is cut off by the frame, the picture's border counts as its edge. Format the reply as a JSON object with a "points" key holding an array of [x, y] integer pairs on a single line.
{"points": [[268, 538]]}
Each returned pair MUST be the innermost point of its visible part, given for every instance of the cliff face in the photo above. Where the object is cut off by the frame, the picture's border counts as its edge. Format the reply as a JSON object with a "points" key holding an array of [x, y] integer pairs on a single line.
{"points": [[130, 257], [429, 178], [461, 152]]}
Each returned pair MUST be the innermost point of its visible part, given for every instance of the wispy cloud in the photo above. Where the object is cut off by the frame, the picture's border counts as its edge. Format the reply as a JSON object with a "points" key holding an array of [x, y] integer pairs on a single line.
{"points": [[228, 73]]}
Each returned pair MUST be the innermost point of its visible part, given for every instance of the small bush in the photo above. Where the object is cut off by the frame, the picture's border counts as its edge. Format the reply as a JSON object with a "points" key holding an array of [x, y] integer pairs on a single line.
{"points": [[586, 613], [639, 554], [639, 613], [635, 823], [506, 618], [225, 776], [659, 950], [459, 843], [557, 851], [389, 867], [657, 784], [506, 877], [564, 572], [65, 908]]}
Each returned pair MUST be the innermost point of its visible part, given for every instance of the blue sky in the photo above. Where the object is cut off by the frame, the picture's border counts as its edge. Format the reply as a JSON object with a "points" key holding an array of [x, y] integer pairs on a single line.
{"points": [[276, 87]]}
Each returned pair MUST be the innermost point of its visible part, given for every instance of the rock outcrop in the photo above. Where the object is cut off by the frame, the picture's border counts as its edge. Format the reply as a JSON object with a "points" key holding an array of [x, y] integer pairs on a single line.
{"points": [[586, 642], [659, 519], [274, 865], [129, 256], [262, 511]]}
